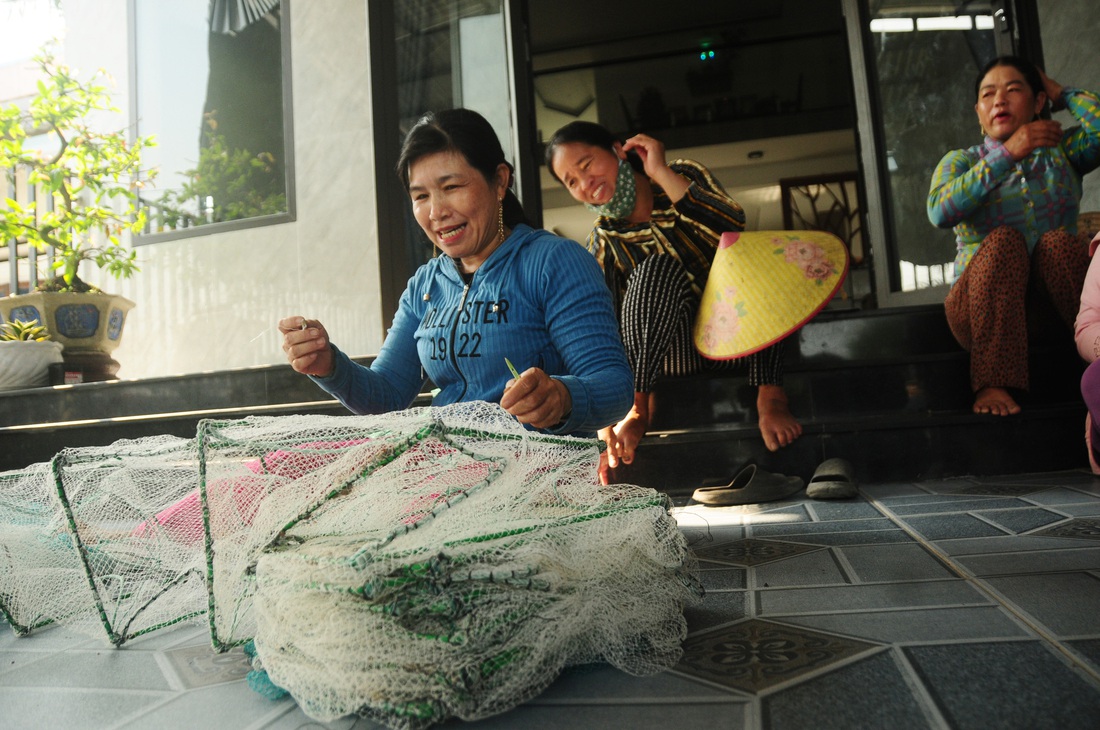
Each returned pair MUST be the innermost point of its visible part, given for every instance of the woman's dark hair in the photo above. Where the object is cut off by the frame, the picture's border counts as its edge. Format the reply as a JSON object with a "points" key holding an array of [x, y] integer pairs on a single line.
{"points": [[469, 134], [588, 133], [1026, 68]]}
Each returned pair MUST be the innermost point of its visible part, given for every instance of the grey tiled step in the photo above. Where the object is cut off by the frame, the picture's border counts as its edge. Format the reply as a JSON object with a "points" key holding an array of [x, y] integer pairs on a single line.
{"points": [[882, 386], [888, 446], [832, 341]]}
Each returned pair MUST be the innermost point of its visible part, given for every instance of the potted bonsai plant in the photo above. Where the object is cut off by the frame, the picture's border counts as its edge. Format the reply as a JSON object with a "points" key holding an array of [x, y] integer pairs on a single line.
{"points": [[79, 196], [26, 354]]}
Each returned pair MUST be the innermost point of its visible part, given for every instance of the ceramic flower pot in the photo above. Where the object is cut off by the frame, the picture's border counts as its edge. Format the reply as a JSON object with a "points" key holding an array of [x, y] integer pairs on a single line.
{"points": [[89, 326], [27, 364]]}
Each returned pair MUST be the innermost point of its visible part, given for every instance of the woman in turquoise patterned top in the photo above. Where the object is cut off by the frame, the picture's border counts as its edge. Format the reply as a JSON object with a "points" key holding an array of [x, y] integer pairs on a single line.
{"points": [[1013, 203]]}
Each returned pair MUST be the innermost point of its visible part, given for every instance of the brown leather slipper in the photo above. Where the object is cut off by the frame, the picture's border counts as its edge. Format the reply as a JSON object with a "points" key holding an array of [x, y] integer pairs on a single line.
{"points": [[752, 485]]}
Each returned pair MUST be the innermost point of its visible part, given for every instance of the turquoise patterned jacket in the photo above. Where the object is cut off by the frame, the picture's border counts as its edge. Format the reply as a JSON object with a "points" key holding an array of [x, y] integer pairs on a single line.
{"points": [[981, 188]]}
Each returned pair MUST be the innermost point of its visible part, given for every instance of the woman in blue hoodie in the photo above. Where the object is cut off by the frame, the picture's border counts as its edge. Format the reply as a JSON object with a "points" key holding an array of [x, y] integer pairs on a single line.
{"points": [[501, 292]]}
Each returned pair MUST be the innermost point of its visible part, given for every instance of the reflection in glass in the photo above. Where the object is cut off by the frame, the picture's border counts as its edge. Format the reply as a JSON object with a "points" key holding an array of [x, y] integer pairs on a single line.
{"points": [[706, 94], [213, 98], [450, 55], [925, 60]]}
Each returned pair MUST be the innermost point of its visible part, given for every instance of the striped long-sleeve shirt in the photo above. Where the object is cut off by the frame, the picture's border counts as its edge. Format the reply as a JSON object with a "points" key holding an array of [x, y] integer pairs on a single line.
{"points": [[688, 230], [979, 189]]}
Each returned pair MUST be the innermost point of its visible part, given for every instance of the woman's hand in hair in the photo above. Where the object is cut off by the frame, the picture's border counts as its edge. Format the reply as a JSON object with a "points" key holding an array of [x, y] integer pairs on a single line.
{"points": [[1054, 91], [652, 154]]}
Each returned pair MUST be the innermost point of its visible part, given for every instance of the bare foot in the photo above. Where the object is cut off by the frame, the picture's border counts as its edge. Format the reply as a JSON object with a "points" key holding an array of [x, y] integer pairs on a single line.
{"points": [[995, 401], [778, 427]]}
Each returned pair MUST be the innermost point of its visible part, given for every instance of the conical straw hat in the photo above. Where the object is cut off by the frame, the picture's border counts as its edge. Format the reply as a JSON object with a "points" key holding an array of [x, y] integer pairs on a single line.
{"points": [[764, 285]]}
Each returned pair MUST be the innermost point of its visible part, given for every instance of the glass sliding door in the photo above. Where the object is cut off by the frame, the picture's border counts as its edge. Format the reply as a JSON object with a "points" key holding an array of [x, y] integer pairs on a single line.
{"points": [[1069, 29], [430, 55], [914, 73]]}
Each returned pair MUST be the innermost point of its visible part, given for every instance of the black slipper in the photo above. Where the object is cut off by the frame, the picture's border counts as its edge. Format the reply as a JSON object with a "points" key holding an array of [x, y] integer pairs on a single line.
{"points": [[752, 485], [832, 480]]}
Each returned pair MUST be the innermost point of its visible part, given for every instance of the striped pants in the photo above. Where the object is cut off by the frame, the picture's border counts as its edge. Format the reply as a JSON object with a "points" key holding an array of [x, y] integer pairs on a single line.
{"points": [[656, 321], [986, 307]]}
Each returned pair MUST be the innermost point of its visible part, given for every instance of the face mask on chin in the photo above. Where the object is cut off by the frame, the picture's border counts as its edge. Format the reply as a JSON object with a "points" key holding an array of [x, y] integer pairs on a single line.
{"points": [[622, 201]]}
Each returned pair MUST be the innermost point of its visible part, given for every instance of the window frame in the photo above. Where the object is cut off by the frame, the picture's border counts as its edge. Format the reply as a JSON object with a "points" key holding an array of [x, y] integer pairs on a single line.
{"points": [[392, 203], [290, 215]]}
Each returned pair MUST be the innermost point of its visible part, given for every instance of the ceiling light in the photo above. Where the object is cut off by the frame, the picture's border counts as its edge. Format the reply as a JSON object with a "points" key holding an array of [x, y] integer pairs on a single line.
{"points": [[891, 25], [958, 22]]}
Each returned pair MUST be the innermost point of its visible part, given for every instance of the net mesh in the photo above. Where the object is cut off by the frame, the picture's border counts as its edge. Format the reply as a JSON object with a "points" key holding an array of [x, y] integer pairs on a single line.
{"points": [[409, 567], [69, 550]]}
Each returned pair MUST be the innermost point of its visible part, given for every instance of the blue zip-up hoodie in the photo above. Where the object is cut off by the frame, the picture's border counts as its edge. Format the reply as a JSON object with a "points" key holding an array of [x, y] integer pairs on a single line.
{"points": [[538, 300]]}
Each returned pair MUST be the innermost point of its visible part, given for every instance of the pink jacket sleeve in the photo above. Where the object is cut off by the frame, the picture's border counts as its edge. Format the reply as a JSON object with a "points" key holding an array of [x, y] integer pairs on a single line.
{"points": [[1087, 329]]}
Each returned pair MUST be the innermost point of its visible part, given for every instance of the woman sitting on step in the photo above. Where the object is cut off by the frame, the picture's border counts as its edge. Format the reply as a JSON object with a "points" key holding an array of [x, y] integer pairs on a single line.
{"points": [[655, 236], [1087, 334], [1013, 202]]}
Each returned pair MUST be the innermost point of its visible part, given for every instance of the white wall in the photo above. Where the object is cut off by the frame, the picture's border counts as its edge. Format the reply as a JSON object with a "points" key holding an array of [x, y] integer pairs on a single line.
{"points": [[211, 302]]}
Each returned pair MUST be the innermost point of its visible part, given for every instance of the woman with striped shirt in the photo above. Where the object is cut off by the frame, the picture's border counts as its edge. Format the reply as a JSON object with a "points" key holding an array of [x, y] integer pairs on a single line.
{"points": [[655, 237]]}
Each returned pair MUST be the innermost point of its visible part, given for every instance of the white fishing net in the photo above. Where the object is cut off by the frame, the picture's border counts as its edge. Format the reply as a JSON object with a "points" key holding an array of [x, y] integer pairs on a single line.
{"points": [[74, 549], [409, 567]]}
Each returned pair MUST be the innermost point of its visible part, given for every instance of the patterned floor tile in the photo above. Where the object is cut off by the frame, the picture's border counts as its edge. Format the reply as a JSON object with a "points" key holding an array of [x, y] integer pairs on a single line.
{"points": [[764, 514], [891, 491], [1085, 528], [922, 626], [814, 528], [201, 666], [721, 579], [1081, 510], [942, 527], [1061, 478], [1059, 496], [1065, 603], [1031, 542], [1022, 520], [222, 706], [816, 568], [71, 708], [755, 655], [682, 716], [1022, 685], [1089, 649], [752, 552], [858, 510], [894, 563], [876, 596], [1035, 562], [866, 537], [951, 485], [1001, 490], [831, 649], [715, 610], [958, 505], [603, 682], [869, 693]]}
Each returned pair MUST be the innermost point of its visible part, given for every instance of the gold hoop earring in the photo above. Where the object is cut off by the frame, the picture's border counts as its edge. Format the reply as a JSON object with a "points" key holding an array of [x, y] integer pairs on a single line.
{"points": [[500, 220]]}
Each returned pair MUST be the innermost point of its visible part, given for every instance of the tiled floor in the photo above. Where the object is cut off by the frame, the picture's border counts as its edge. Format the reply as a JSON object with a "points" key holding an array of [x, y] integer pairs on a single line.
{"points": [[963, 603]]}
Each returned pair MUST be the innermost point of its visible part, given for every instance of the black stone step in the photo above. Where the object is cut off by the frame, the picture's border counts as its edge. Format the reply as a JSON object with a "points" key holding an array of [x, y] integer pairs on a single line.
{"points": [[886, 389], [883, 447]]}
